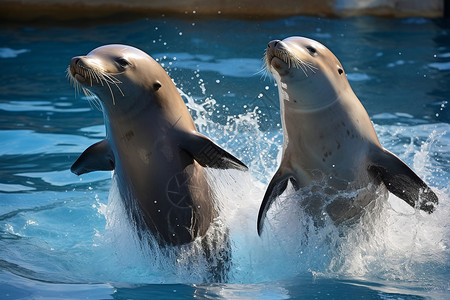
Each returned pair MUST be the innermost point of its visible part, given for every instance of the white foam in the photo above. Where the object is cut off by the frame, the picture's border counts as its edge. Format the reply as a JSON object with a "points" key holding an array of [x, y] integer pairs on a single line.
{"points": [[391, 242]]}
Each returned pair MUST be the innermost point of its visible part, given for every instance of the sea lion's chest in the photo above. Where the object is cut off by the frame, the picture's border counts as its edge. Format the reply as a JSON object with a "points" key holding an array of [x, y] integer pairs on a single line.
{"points": [[331, 141]]}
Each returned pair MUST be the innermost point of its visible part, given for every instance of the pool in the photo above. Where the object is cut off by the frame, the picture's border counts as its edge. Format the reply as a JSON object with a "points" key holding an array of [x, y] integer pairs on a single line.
{"points": [[66, 237]]}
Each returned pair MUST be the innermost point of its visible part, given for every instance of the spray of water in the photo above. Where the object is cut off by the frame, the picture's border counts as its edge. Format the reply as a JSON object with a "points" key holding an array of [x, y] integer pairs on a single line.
{"points": [[391, 241]]}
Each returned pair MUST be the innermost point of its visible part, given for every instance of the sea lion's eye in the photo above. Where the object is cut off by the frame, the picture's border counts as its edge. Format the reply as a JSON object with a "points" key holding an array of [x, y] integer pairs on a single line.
{"points": [[311, 50], [340, 71], [122, 62]]}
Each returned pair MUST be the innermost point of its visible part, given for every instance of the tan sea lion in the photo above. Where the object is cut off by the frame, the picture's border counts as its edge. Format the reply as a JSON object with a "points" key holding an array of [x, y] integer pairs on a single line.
{"points": [[151, 143], [327, 134]]}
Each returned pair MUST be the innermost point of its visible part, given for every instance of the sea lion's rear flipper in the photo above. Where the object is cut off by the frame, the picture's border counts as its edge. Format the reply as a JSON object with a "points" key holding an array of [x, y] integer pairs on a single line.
{"points": [[98, 157], [402, 181], [207, 153], [276, 187]]}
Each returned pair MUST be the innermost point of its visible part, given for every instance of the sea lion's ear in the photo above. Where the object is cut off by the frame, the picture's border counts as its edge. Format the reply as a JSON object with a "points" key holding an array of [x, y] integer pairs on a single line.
{"points": [[156, 86], [402, 181], [98, 157], [207, 153]]}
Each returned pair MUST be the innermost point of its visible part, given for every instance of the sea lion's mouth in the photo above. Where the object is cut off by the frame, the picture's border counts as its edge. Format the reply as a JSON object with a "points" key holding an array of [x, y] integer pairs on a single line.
{"points": [[79, 73], [278, 56], [79, 78], [278, 63]]}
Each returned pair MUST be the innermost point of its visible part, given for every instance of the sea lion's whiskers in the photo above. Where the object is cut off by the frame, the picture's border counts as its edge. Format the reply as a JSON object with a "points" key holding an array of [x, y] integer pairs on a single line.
{"points": [[299, 65], [112, 93], [91, 97], [310, 66], [73, 82], [104, 78], [114, 81], [94, 75], [90, 76], [109, 79], [265, 69]]}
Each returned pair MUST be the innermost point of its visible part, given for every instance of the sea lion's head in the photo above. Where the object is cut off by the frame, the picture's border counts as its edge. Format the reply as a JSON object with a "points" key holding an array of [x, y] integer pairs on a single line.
{"points": [[309, 76], [122, 77]]}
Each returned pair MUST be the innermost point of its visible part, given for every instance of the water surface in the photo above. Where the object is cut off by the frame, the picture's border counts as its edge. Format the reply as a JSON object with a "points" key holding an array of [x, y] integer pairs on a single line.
{"points": [[63, 236]]}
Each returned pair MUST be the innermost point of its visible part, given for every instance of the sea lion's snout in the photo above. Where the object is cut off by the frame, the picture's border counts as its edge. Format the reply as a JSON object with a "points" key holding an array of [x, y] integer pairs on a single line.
{"points": [[77, 68], [277, 57], [74, 61], [273, 48]]}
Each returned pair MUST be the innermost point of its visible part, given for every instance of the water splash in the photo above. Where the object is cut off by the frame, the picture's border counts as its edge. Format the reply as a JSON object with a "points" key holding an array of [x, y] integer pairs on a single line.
{"points": [[391, 242]]}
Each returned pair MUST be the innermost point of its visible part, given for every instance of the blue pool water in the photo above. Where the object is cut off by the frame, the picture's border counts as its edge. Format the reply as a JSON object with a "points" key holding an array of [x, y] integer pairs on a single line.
{"points": [[66, 237]]}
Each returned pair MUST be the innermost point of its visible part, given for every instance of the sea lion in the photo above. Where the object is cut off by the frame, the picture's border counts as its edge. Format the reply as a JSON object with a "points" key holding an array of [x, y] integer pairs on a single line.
{"points": [[151, 143], [327, 134]]}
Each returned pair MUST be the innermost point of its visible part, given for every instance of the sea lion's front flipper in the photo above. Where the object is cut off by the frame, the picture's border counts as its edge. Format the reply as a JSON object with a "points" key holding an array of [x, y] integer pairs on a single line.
{"points": [[276, 187], [207, 153], [98, 157], [402, 181]]}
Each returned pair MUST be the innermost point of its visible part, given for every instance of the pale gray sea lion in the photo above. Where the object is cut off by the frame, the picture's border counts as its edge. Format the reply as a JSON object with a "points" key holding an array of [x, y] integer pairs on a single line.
{"points": [[151, 143], [327, 134]]}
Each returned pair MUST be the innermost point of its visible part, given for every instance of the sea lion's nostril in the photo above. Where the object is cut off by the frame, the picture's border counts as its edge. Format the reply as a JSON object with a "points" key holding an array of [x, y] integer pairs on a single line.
{"points": [[75, 60], [273, 44]]}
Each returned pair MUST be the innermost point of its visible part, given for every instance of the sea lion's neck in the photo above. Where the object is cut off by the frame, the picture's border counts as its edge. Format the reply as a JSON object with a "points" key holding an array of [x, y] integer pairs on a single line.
{"points": [[127, 108]]}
